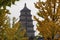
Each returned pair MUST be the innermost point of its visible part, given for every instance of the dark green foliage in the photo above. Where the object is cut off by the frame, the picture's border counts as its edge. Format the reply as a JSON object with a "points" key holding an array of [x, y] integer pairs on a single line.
{"points": [[4, 3]]}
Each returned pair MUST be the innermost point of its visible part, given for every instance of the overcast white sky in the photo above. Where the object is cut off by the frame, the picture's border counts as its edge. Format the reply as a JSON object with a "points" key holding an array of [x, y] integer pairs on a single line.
{"points": [[15, 9]]}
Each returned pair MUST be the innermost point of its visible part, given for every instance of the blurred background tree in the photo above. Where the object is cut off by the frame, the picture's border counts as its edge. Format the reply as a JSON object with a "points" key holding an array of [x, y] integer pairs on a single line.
{"points": [[3, 15], [4, 3], [14, 32], [6, 32], [10, 32], [49, 10], [3, 18]]}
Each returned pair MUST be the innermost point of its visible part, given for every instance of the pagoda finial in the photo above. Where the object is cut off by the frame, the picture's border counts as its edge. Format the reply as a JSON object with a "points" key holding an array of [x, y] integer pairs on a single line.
{"points": [[25, 4]]}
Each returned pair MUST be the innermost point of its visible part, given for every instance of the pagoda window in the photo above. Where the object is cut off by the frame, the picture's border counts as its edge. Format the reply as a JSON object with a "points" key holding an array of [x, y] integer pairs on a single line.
{"points": [[22, 17], [29, 23], [28, 18], [23, 13], [30, 28], [23, 22]]}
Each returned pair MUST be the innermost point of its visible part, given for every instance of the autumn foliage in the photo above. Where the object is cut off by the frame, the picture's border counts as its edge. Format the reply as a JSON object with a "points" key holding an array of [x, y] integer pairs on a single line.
{"points": [[49, 10], [6, 32]]}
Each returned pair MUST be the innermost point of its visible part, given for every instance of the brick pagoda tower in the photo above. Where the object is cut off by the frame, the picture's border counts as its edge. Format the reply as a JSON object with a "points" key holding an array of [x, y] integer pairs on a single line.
{"points": [[26, 21]]}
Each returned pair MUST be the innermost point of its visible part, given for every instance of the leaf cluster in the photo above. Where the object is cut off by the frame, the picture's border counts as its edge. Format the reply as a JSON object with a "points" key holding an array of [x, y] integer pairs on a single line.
{"points": [[50, 11]]}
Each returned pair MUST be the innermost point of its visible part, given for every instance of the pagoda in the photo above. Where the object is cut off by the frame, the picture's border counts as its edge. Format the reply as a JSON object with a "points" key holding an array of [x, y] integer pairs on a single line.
{"points": [[27, 22]]}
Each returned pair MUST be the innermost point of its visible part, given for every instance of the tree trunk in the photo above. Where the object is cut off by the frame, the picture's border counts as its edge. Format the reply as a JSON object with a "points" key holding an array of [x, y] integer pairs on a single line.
{"points": [[52, 37], [48, 38]]}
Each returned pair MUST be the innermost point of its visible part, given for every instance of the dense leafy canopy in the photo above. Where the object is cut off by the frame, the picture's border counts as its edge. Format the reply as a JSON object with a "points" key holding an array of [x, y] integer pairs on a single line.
{"points": [[6, 32], [4, 3], [14, 32], [50, 12], [3, 15]]}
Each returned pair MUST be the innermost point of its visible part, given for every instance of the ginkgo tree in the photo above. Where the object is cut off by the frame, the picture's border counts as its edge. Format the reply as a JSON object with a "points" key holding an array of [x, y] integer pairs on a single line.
{"points": [[3, 10], [7, 33], [14, 32], [4, 3], [10, 32], [49, 10], [3, 14]]}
